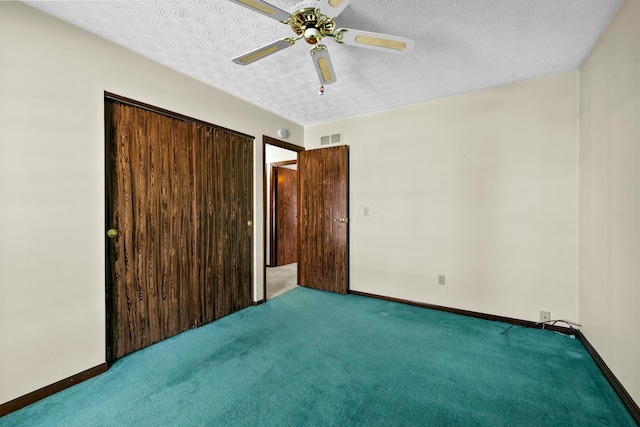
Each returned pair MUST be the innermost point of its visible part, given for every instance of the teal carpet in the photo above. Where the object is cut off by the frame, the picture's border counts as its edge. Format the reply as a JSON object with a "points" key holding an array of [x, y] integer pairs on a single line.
{"points": [[309, 358]]}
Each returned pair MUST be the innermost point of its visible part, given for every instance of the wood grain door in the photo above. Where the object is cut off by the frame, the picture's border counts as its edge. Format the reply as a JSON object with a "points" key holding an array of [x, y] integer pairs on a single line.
{"points": [[284, 248], [224, 213], [323, 261], [179, 194], [233, 230], [150, 279]]}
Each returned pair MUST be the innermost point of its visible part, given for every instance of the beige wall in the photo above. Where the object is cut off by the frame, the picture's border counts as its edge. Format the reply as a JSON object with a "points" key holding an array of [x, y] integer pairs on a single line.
{"points": [[481, 187], [52, 79], [610, 197]]}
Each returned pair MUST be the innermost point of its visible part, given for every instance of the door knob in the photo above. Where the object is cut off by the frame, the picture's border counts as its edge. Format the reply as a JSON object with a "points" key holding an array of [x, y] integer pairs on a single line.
{"points": [[112, 232], [343, 220], [249, 223]]}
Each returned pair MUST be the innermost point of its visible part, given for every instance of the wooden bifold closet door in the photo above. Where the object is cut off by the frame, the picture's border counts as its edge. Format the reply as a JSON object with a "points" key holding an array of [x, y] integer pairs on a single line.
{"points": [[224, 208], [178, 206]]}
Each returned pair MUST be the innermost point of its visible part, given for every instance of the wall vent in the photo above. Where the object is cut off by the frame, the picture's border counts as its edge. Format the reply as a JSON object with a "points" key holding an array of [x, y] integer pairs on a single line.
{"points": [[336, 138]]}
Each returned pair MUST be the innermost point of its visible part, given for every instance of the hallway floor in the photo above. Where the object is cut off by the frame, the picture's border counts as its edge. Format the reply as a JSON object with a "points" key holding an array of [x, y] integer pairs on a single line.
{"points": [[281, 279]]}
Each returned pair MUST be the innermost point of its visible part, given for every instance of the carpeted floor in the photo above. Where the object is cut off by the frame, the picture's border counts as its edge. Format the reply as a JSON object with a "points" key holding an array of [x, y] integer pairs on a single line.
{"points": [[310, 358]]}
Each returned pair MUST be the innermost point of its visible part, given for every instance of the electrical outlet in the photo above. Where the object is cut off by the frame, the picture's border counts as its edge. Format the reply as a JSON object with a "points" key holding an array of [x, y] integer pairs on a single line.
{"points": [[545, 316], [440, 279]]}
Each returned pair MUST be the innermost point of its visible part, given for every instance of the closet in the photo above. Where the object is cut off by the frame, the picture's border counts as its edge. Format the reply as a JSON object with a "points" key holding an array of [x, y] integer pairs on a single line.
{"points": [[179, 206]]}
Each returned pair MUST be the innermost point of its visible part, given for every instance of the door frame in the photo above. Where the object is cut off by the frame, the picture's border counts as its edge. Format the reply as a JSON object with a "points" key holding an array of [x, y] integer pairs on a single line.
{"points": [[267, 140]]}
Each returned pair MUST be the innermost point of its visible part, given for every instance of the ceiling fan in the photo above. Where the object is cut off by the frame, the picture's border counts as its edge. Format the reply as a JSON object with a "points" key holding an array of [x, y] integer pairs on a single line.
{"points": [[312, 21]]}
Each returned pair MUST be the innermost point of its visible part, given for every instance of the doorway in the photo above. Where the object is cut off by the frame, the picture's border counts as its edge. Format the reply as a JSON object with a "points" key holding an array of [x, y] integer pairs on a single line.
{"points": [[280, 216], [323, 220]]}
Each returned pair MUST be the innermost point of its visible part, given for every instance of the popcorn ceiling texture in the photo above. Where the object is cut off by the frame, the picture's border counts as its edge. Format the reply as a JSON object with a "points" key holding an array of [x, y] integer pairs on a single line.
{"points": [[461, 46]]}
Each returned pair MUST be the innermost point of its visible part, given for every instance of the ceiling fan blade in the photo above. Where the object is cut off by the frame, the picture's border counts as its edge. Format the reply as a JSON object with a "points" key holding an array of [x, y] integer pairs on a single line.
{"points": [[264, 8], [263, 52], [323, 65], [332, 8], [376, 41]]}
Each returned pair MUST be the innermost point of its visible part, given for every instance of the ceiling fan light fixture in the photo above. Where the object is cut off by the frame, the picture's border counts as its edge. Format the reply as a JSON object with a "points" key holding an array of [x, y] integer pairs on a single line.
{"points": [[312, 35], [313, 20]]}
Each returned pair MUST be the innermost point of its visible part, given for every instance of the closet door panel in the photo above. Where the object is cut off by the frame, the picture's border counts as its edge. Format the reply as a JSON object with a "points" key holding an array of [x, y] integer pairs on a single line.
{"points": [[206, 217], [149, 183], [233, 228]]}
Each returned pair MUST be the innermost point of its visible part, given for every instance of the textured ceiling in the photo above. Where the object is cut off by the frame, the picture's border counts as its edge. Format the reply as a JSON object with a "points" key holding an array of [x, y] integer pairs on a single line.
{"points": [[461, 45]]}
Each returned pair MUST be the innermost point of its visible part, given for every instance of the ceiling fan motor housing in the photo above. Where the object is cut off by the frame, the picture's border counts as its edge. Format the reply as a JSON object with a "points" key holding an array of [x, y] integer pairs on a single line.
{"points": [[311, 24]]}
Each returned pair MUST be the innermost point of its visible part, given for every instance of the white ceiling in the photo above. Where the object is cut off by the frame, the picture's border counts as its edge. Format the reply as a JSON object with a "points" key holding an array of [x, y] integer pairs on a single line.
{"points": [[461, 46]]}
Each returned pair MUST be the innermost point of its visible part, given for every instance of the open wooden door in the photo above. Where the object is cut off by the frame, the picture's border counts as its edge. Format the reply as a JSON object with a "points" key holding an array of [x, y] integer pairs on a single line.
{"points": [[323, 195]]}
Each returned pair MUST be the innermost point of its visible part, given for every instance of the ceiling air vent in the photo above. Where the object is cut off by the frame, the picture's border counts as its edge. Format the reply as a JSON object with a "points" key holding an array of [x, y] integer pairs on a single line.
{"points": [[336, 138]]}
